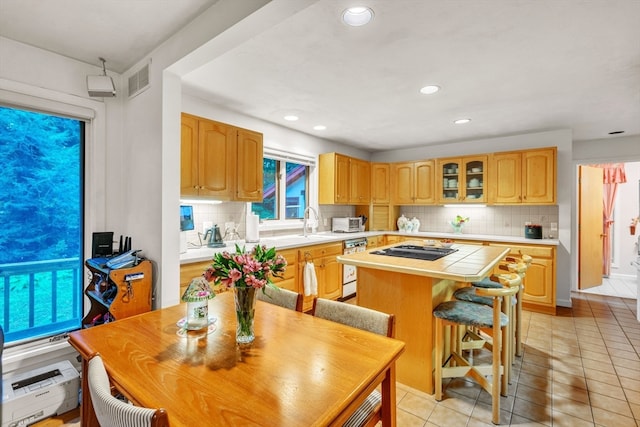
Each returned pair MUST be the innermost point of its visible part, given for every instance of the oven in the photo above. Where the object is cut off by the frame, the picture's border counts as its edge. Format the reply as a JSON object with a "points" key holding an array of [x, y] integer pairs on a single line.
{"points": [[349, 272]]}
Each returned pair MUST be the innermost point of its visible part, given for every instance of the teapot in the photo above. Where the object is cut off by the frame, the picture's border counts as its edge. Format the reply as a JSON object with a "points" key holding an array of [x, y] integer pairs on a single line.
{"points": [[215, 238]]}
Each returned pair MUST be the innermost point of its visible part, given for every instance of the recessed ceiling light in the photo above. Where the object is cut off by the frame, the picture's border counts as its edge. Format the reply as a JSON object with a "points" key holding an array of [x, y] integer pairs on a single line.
{"points": [[291, 118], [319, 127], [461, 121], [428, 90], [357, 16]]}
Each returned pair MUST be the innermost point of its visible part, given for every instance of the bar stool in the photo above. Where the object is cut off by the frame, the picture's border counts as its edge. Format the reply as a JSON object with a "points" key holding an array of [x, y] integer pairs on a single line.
{"points": [[473, 338], [514, 264], [463, 313]]}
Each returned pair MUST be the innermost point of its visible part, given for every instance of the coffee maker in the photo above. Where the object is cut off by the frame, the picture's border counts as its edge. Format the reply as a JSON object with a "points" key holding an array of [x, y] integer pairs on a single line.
{"points": [[214, 236]]}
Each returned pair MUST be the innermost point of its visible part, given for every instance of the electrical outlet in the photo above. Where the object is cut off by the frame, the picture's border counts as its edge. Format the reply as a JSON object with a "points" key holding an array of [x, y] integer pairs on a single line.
{"points": [[554, 226], [325, 222], [206, 225]]}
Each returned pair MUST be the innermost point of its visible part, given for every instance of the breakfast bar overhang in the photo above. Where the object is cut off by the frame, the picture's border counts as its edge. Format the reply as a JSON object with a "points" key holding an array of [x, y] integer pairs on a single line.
{"points": [[410, 289]]}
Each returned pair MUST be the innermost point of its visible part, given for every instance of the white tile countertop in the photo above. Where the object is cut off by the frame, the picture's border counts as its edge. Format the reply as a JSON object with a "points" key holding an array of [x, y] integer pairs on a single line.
{"points": [[298, 240]]}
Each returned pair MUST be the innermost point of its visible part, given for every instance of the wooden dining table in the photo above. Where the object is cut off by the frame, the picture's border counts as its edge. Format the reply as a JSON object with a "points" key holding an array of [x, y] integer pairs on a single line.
{"points": [[300, 370]]}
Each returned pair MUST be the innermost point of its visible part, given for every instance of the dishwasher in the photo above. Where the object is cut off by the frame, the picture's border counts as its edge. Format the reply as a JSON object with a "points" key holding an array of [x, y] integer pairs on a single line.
{"points": [[350, 272]]}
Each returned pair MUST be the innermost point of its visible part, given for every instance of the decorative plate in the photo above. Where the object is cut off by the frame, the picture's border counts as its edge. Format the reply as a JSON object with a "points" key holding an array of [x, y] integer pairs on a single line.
{"points": [[183, 321], [181, 332]]}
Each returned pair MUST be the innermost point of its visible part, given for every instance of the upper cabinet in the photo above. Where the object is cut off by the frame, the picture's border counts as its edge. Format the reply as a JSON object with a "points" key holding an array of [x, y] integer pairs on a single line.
{"points": [[462, 179], [360, 182], [343, 180], [523, 177], [412, 183], [380, 183], [250, 168], [219, 161]]}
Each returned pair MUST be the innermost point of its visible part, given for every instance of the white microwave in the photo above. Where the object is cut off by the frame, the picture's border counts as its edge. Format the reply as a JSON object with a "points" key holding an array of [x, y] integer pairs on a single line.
{"points": [[346, 224]]}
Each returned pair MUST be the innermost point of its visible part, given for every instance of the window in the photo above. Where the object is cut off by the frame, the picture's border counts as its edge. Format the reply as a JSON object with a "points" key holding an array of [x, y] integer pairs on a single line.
{"points": [[41, 209], [285, 189]]}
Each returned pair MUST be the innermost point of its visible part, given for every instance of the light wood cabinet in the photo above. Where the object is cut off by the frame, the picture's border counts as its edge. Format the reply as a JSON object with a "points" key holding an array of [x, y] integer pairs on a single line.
{"points": [[343, 180], [290, 277], [523, 177], [375, 241], [334, 179], [360, 182], [250, 169], [219, 161], [540, 280], [412, 183], [462, 179], [328, 271], [380, 183]]}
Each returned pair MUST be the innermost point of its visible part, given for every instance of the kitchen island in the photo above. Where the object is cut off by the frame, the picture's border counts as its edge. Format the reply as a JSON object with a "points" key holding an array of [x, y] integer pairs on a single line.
{"points": [[410, 289]]}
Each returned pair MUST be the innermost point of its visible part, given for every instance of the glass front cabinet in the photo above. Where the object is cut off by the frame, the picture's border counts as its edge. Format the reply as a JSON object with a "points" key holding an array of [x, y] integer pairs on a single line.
{"points": [[462, 180]]}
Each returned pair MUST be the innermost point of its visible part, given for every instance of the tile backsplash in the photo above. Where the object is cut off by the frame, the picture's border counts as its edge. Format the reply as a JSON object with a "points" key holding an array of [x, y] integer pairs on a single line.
{"points": [[490, 220]]}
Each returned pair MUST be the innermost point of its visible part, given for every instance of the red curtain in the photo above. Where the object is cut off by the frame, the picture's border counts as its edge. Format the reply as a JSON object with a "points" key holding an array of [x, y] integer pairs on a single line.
{"points": [[613, 175]]}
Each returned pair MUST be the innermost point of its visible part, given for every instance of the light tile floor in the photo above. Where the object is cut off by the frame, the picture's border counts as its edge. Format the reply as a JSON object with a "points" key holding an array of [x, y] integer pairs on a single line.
{"points": [[616, 286], [579, 368]]}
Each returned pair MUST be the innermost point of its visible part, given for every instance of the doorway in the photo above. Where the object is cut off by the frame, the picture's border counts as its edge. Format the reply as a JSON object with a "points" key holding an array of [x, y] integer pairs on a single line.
{"points": [[621, 281]]}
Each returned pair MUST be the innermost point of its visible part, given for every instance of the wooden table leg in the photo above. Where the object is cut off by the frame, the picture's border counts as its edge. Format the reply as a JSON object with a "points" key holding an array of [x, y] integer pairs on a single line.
{"points": [[389, 397]]}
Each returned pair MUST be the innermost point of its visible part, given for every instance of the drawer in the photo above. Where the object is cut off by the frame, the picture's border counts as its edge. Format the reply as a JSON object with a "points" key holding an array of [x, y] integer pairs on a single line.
{"points": [[319, 251], [534, 251]]}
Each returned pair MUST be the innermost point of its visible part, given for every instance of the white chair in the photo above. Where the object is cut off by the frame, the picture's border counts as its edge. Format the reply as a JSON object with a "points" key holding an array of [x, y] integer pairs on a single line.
{"points": [[369, 412], [113, 412], [282, 297]]}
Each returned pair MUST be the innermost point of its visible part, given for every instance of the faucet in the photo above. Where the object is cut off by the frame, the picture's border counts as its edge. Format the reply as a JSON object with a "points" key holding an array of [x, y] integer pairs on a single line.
{"points": [[305, 217]]}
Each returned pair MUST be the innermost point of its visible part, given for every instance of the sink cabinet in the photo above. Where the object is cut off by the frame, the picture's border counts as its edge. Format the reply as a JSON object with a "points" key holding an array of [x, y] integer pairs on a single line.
{"points": [[220, 161], [523, 177], [290, 277], [462, 180], [328, 271]]}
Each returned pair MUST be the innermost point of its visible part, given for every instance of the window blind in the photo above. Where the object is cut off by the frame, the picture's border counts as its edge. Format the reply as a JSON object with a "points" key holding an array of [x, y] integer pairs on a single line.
{"points": [[277, 154]]}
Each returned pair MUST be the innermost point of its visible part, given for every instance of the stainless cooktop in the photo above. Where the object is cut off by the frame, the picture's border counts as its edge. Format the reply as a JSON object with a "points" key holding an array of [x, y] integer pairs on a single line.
{"points": [[426, 253]]}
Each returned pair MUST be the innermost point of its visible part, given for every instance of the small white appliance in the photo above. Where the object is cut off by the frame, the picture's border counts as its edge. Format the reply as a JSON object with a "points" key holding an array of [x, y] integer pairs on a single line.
{"points": [[39, 393], [346, 224]]}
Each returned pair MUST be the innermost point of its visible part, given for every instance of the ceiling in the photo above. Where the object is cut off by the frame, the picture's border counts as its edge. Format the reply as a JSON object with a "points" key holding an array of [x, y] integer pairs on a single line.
{"points": [[510, 66]]}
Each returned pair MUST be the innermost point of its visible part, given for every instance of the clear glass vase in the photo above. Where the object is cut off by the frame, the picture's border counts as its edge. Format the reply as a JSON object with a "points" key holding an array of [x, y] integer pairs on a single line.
{"points": [[245, 299], [457, 229]]}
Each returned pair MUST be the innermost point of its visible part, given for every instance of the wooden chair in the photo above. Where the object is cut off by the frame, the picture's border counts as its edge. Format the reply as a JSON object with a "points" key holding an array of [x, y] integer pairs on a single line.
{"points": [[282, 297], [113, 412], [470, 314], [368, 414]]}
